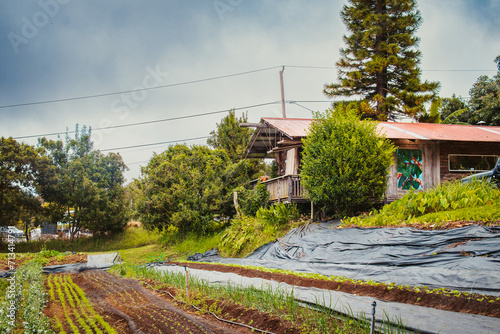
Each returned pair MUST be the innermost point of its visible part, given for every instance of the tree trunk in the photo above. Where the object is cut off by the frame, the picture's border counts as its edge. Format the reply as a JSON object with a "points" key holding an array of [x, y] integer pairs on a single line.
{"points": [[381, 77]]}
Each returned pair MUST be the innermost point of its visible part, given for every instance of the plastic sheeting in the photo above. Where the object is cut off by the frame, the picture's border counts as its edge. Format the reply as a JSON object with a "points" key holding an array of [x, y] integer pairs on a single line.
{"points": [[464, 259], [99, 261], [415, 318]]}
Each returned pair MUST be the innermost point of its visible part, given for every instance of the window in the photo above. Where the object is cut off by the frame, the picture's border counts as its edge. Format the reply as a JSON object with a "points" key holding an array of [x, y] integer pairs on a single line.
{"points": [[479, 163]]}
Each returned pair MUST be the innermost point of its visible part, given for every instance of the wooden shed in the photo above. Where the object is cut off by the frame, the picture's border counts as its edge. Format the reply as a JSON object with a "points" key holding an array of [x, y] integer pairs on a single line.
{"points": [[426, 155]]}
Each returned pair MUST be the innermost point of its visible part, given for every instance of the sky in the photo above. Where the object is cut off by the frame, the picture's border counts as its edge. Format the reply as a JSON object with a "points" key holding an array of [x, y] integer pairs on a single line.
{"points": [[163, 72]]}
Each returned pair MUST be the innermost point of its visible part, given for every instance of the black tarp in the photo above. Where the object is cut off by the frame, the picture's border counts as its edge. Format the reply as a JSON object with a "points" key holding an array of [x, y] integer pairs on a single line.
{"points": [[464, 259]]}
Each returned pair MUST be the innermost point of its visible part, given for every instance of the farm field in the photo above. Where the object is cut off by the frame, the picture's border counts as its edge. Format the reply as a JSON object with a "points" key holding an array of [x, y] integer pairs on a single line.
{"points": [[98, 302]]}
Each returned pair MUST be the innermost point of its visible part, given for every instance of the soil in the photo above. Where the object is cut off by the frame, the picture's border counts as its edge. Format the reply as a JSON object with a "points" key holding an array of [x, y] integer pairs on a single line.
{"points": [[67, 259], [132, 308], [488, 306]]}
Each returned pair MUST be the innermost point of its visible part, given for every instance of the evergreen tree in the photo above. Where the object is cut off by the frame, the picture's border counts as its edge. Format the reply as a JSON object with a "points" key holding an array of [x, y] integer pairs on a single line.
{"points": [[380, 61]]}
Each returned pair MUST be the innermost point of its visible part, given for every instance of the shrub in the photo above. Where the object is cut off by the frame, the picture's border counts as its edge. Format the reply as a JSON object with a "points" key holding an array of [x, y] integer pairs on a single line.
{"points": [[251, 200], [345, 162], [279, 214]]}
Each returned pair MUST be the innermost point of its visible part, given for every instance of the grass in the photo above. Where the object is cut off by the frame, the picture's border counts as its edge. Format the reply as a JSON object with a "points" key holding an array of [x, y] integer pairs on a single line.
{"points": [[131, 237], [195, 243], [477, 201], [247, 234], [139, 255]]}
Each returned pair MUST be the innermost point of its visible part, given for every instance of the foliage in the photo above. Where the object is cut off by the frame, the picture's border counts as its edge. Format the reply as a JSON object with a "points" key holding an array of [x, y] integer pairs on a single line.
{"points": [[27, 299], [21, 167], [452, 110], [380, 60], [433, 116], [251, 200], [189, 188], [484, 101], [229, 136], [447, 202], [483, 106], [246, 234], [129, 238], [345, 162], [279, 213], [85, 187]]}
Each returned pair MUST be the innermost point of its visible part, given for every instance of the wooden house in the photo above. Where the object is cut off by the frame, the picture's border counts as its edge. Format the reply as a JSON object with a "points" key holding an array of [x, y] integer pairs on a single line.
{"points": [[426, 155]]}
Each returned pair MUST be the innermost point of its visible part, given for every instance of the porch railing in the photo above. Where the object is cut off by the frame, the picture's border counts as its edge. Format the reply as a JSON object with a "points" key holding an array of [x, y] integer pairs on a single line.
{"points": [[287, 188]]}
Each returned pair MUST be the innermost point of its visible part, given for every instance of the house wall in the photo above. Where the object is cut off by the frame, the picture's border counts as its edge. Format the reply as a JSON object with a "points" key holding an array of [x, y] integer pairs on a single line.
{"points": [[472, 148], [292, 161], [430, 167], [435, 162]]}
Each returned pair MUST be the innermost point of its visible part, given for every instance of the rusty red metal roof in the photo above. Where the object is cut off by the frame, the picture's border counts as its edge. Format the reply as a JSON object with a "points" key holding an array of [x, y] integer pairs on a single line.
{"points": [[297, 128]]}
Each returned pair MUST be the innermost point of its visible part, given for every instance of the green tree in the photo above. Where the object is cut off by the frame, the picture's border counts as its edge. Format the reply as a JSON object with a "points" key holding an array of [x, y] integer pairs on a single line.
{"points": [[229, 136], [345, 162], [20, 168], [189, 188], [380, 63], [453, 110], [484, 103], [84, 187]]}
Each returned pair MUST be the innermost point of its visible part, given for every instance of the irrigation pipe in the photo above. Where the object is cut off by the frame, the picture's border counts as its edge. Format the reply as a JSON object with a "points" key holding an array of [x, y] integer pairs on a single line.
{"points": [[215, 315]]}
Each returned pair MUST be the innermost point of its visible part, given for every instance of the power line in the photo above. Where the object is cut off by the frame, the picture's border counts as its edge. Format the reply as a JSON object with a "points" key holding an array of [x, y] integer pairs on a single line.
{"points": [[199, 81], [154, 121], [153, 144], [135, 90]]}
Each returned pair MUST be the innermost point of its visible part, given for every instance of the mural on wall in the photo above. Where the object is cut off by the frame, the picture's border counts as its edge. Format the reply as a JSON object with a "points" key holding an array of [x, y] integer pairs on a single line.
{"points": [[409, 169]]}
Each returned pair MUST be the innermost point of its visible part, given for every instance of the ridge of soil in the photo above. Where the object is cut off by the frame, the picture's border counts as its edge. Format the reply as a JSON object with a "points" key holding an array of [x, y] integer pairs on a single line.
{"points": [[137, 309], [460, 304]]}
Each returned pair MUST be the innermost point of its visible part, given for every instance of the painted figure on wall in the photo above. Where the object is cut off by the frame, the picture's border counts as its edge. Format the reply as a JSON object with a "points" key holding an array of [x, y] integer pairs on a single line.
{"points": [[409, 169]]}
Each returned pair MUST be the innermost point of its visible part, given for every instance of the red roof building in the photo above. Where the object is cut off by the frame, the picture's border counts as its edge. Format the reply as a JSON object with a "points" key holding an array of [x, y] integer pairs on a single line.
{"points": [[441, 152]]}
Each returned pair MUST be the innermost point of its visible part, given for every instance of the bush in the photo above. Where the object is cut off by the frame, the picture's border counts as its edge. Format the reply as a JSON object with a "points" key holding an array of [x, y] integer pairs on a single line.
{"points": [[251, 200], [279, 214], [345, 162]]}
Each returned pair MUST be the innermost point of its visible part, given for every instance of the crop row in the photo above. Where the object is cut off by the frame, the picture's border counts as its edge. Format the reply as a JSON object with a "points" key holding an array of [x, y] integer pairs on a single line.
{"points": [[140, 307], [24, 301], [78, 312], [389, 286]]}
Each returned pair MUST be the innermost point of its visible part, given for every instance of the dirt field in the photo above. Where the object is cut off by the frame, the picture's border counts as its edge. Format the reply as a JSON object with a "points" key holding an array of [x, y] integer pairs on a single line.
{"points": [[129, 307]]}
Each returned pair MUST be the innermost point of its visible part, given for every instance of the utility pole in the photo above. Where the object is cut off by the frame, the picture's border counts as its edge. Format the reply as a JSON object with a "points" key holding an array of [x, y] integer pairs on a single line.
{"points": [[282, 93]]}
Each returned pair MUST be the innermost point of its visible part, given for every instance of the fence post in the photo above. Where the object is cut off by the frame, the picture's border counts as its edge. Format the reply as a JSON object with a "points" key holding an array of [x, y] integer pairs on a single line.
{"points": [[187, 283], [372, 328]]}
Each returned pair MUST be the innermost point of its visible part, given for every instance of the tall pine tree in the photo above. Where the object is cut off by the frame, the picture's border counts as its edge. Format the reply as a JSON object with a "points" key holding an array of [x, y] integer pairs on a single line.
{"points": [[380, 61]]}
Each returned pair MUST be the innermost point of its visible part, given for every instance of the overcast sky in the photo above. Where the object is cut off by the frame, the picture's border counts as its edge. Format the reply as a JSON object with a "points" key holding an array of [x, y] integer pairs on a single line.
{"points": [[199, 57]]}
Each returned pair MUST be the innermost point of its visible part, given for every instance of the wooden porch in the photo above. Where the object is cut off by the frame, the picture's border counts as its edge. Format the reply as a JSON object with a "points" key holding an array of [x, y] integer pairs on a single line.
{"points": [[287, 188]]}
